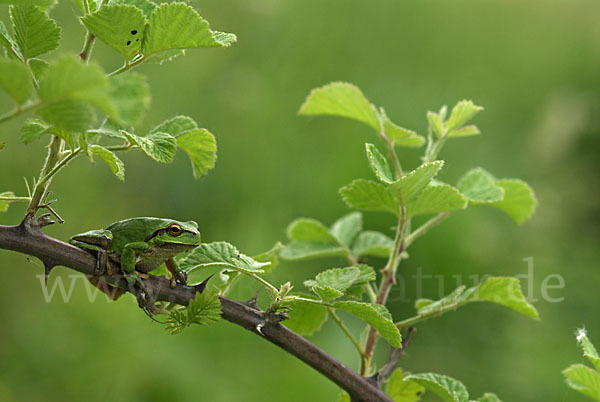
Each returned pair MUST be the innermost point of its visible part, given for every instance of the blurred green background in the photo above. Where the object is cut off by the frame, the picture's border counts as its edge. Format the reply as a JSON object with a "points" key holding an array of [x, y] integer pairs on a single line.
{"points": [[534, 65]]}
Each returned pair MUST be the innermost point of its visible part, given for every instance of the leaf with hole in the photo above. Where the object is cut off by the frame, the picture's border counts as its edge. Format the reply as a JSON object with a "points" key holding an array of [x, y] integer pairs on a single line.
{"points": [[120, 26], [179, 26]]}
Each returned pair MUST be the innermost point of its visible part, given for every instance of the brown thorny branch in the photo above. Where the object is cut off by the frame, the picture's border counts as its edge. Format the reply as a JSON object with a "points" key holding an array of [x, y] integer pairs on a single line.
{"points": [[27, 238]]}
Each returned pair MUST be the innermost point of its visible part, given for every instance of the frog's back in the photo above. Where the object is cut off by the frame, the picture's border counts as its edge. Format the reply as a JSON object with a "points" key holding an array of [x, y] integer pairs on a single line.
{"points": [[134, 230]]}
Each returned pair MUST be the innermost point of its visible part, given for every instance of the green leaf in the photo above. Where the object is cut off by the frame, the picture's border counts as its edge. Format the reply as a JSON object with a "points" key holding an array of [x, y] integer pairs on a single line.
{"points": [[159, 146], [201, 147], [38, 67], [220, 254], [420, 304], [584, 380], [447, 388], [306, 318], [379, 164], [370, 196], [165, 56], [305, 250], [341, 99], [411, 185], [519, 200], [270, 257], [366, 275], [15, 80], [345, 229], [42, 3], [400, 136], [92, 4], [33, 129], [505, 291], [115, 164], [588, 349], [339, 279], [179, 26], [35, 32], [403, 391], [376, 316], [479, 186], [204, 309], [4, 203], [68, 79], [176, 126], [465, 131], [375, 244], [440, 198], [426, 306], [327, 293], [488, 397], [7, 41], [119, 26], [309, 230], [146, 6], [69, 115], [462, 113], [344, 397], [436, 124], [130, 93]]}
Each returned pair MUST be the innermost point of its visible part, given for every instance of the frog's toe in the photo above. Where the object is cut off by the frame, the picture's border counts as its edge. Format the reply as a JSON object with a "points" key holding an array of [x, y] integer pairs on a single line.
{"points": [[181, 277], [101, 263]]}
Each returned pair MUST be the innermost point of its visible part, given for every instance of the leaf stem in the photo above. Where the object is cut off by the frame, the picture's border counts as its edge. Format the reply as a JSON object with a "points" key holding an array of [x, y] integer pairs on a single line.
{"points": [[390, 146], [307, 300], [62, 163], [422, 317], [387, 281], [18, 111], [346, 331], [421, 230], [272, 288], [127, 66], [14, 199], [42, 185]]}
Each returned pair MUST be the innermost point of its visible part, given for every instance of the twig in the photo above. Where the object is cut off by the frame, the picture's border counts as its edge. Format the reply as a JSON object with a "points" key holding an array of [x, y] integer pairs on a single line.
{"points": [[28, 239]]}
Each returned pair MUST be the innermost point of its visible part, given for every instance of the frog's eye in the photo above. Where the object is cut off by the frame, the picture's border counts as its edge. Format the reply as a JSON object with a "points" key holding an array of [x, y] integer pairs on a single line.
{"points": [[174, 230]]}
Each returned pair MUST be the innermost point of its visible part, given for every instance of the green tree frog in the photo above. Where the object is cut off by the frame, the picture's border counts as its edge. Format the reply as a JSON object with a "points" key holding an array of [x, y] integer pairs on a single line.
{"points": [[140, 244]]}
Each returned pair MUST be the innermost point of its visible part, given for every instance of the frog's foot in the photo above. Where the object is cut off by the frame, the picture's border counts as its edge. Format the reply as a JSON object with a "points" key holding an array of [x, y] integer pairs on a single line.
{"points": [[101, 263], [137, 287], [179, 277]]}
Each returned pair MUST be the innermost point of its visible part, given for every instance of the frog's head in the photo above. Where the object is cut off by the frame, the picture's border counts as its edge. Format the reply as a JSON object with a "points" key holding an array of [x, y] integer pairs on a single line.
{"points": [[181, 233]]}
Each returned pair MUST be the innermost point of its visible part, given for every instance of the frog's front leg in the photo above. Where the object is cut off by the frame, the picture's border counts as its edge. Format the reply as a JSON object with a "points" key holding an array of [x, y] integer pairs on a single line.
{"points": [[101, 257], [128, 263], [177, 274]]}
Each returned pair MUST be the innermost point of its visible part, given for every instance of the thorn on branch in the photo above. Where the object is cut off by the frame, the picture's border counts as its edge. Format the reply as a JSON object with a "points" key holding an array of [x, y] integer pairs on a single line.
{"points": [[48, 265], [253, 302], [396, 354], [43, 220], [199, 288]]}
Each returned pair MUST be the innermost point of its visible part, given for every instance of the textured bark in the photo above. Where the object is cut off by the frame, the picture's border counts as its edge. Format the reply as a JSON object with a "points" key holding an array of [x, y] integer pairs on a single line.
{"points": [[29, 239]]}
